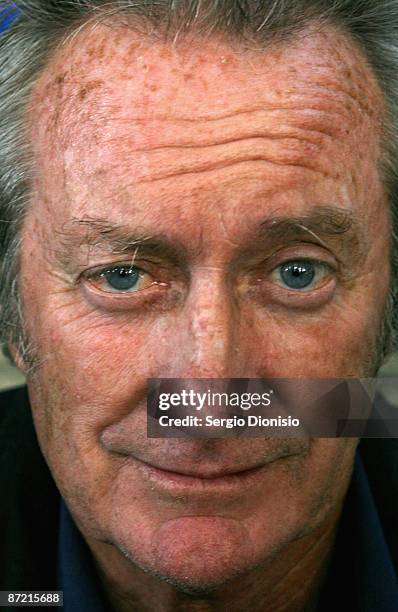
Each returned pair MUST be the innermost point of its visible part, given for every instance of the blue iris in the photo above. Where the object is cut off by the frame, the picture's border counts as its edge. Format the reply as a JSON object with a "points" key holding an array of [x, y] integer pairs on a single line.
{"points": [[122, 279], [298, 274]]}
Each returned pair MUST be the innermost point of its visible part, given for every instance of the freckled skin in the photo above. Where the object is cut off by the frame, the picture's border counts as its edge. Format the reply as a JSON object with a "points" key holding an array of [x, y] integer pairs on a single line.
{"points": [[199, 143]]}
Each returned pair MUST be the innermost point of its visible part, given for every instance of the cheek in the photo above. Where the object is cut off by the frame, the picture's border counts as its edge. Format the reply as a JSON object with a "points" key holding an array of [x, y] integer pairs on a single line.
{"points": [[96, 353], [92, 372], [340, 342], [332, 347]]}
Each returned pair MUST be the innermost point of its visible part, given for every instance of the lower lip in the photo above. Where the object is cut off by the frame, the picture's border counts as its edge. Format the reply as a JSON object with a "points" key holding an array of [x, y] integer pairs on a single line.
{"points": [[177, 482]]}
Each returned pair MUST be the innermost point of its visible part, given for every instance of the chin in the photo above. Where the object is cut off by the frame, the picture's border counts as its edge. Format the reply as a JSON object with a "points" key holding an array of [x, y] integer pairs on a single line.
{"points": [[196, 554]]}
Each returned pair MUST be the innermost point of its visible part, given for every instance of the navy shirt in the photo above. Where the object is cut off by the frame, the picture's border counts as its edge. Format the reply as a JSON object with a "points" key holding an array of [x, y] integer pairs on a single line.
{"points": [[361, 577]]}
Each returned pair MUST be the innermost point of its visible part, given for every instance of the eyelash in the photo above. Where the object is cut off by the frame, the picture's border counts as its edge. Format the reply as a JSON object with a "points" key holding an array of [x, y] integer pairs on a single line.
{"points": [[263, 289], [103, 273]]}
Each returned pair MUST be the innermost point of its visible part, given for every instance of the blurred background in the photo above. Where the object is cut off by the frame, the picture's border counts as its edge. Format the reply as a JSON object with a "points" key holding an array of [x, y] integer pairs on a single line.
{"points": [[9, 375]]}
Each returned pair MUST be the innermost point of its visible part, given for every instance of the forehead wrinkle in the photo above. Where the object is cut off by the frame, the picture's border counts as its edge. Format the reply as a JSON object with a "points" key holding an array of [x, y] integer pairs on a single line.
{"points": [[186, 148], [343, 66], [262, 123], [352, 88], [318, 92], [308, 125], [277, 142], [325, 111]]}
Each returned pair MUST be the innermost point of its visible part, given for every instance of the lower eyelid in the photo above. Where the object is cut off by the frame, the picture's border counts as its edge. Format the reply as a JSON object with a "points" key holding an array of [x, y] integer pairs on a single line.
{"points": [[158, 298], [300, 300]]}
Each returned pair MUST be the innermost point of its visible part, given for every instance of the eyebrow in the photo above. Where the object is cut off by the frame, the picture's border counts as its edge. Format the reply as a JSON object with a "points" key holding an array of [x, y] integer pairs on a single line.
{"points": [[318, 224], [99, 233], [321, 225]]}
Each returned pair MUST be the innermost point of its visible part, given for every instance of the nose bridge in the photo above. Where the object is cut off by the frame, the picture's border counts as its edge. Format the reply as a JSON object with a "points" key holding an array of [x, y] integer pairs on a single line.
{"points": [[212, 322]]}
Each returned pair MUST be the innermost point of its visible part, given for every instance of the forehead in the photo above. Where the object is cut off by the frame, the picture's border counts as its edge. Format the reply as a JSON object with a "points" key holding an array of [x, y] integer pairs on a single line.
{"points": [[104, 69], [114, 104]]}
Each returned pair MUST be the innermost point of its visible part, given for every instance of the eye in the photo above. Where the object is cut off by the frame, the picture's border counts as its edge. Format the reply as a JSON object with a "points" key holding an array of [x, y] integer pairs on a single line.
{"points": [[301, 275], [120, 279]]}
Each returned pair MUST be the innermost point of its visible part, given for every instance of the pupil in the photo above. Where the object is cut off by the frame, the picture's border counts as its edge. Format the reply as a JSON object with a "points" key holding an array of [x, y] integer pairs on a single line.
{"points": [[298, 274], [122, 278]]}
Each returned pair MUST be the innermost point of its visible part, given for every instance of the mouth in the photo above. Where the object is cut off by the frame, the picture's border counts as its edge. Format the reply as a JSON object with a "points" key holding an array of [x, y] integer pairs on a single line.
{"points": [[210, 480]]}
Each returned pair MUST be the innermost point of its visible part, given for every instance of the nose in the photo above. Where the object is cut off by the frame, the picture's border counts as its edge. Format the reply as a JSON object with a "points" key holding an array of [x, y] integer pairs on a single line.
{"points": [[207, 334]]}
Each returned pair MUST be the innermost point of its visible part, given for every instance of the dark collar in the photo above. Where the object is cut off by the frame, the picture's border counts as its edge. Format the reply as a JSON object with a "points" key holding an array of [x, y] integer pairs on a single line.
{"points": [[361, 576], [76, 571]]}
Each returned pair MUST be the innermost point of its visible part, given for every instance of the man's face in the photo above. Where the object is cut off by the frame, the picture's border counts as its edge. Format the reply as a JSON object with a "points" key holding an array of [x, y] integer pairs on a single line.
{"points": [[208, 170]]}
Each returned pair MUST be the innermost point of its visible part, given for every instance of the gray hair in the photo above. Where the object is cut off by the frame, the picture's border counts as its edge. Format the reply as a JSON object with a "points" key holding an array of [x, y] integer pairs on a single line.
{"points": [[44, 24]]}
